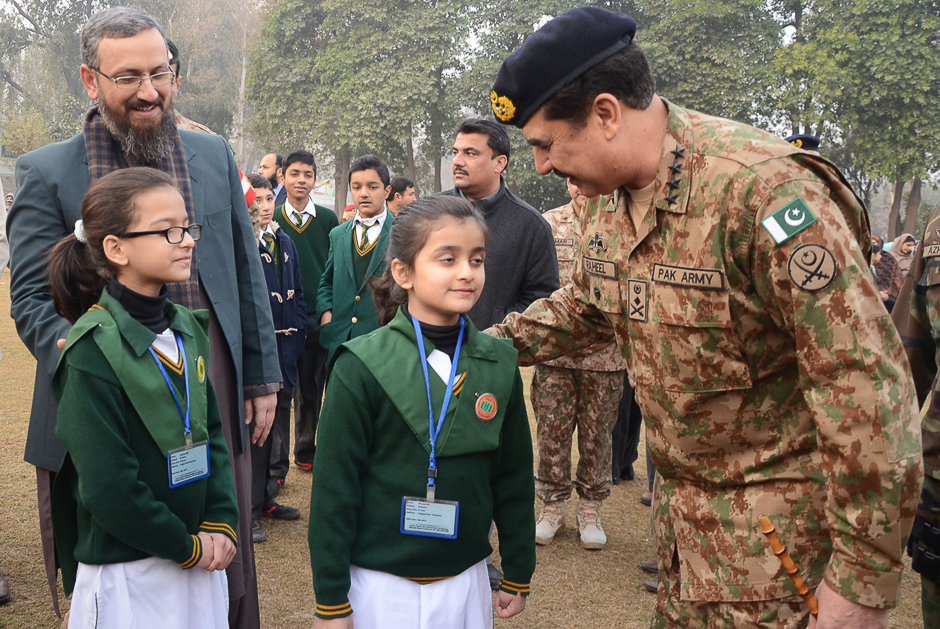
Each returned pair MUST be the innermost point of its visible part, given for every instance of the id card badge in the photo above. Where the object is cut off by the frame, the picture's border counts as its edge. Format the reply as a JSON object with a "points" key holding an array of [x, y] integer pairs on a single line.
{"points": [[429, 519], [187, 464]]}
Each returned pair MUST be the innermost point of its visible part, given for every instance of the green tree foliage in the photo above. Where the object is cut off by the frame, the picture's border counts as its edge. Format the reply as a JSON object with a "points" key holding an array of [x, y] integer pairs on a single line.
{"points": [[22, 132], [711, 56]]}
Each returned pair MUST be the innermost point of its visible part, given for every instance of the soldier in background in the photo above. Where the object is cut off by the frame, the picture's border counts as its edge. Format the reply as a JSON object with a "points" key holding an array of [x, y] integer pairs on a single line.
{"points": [[580, 390], [732, 270], [917, 315]]}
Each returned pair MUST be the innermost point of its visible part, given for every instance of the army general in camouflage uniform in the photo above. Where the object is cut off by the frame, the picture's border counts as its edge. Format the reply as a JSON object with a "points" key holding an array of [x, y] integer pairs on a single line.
{"points": [[731, 268], [580, 391], [917, 315]]}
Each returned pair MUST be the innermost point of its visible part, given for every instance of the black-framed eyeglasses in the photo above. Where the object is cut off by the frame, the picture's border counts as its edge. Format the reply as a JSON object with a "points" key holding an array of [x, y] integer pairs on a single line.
{"points": [[173, 235], [160, 79]]}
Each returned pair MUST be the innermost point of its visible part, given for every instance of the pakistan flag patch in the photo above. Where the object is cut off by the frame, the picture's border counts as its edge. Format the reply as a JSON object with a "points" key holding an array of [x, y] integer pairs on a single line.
{"points": [[788, 221]]}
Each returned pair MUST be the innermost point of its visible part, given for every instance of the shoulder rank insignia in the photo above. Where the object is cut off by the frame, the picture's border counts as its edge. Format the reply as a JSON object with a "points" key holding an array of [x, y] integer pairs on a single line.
{"points": [[788, 221]]}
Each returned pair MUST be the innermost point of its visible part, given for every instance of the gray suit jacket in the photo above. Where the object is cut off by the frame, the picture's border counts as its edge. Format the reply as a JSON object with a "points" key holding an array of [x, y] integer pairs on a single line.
{"points": [[51, 182]]}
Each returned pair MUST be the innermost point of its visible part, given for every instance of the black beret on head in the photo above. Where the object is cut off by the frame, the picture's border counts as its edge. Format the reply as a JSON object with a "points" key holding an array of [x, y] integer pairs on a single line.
{"points": [[555, 55], [804, 141]]}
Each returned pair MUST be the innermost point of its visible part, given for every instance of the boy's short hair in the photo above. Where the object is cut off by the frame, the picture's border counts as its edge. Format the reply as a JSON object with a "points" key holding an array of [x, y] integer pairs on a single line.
{"points": [[259, 181], [369, 162], [399, 185], [302, 156]]}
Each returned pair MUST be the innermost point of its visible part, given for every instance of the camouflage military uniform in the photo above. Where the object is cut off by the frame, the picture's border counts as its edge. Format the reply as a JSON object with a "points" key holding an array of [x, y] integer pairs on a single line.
{"points": [[184, 123], [917, 315], [771, 378], [571, 391]]}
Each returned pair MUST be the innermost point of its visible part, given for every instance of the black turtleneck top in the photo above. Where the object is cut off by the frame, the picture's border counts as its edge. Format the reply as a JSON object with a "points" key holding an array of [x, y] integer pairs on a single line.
{"points": [[444, 337], [148, 311]]}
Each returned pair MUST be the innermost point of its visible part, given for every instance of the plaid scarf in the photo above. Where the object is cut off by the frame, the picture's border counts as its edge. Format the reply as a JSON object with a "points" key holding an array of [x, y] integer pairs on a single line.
{"points": [[102, 153]]}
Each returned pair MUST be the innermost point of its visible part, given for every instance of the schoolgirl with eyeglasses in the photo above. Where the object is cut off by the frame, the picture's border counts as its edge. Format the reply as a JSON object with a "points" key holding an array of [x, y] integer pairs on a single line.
{"points": [[144, 505]]}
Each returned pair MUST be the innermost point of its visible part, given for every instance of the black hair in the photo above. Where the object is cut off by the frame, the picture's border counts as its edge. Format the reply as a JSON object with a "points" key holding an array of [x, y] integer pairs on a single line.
{"points": [[498, 138], [367, 162], [279, 160], [408, 235], [78, 269], [399, 185], [625, 74], [259, 181], [302, 156]]}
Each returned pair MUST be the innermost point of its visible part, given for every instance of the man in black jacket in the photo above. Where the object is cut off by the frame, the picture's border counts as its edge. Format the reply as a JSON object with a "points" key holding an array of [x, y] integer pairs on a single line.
{"points": [[520, 257], [521, 264]]}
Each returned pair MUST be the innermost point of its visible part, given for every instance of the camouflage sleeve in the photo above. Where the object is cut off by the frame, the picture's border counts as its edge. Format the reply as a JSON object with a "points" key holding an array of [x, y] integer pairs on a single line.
{"points": [[560, 324], [912, 315], [917, 316], [854, 376]]}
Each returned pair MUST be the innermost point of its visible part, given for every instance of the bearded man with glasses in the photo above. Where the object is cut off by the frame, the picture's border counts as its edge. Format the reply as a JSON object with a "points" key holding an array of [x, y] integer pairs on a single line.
{"points": [[125, 69]]}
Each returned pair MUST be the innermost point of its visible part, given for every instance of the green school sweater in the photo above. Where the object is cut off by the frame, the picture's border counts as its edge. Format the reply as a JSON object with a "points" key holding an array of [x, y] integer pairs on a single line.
{"points": [[111, 501], [313, 247], [373, 450]]}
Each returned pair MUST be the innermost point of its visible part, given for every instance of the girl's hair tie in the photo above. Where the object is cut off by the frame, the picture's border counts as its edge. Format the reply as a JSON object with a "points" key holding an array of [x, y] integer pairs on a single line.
{"points": [[80, 231]]}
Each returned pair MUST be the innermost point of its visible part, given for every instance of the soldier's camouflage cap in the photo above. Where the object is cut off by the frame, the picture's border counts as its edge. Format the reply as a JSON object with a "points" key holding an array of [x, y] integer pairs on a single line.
{"points": [[555, 55]]}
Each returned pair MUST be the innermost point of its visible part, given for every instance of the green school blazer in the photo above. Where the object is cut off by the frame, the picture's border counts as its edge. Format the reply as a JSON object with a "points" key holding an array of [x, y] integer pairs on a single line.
{"points": [[354, 312]]}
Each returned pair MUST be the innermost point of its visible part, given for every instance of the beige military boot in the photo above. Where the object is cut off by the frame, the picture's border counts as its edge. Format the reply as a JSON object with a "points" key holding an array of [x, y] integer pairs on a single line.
{"points": [[589, 525], [551, 520]]}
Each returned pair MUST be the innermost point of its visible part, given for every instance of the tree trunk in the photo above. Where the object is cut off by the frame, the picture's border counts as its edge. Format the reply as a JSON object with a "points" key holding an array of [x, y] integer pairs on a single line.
{"points": [[410, 150], [437, 173], [239, 120], [894, 216], [341, 179], [913, 204]]}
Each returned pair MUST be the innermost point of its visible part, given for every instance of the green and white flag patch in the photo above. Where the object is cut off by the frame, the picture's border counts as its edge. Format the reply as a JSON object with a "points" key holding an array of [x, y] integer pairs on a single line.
{"points": [[788, 221]]}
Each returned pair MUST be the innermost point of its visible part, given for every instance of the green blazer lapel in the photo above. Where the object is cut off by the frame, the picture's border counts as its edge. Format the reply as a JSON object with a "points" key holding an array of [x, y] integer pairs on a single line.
{"points": [[345, 250], [196, 177], [378, 255], [487, 372], [125, 344]]}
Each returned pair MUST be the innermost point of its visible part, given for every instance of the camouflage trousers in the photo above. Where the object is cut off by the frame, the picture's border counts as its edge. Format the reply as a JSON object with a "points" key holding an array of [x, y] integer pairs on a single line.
{"points": [[930, 603], [672, 613], [562, 400]]}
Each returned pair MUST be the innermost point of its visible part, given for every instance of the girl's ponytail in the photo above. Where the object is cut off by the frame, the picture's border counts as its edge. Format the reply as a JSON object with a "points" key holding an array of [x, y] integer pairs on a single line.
{"points": [[76, 277], [388, 296]]}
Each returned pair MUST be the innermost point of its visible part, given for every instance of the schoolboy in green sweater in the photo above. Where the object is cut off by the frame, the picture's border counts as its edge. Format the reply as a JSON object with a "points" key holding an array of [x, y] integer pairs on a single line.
{"points": [[308, 225]]}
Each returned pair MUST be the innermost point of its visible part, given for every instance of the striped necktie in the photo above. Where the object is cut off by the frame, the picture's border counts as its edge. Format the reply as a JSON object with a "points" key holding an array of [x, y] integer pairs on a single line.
{"points": [[364, 225], [298, 219], [268, 242]]}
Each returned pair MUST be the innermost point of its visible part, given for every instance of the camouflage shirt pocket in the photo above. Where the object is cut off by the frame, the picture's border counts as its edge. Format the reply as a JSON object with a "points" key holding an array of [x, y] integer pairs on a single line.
{"points": [[696, 341]]}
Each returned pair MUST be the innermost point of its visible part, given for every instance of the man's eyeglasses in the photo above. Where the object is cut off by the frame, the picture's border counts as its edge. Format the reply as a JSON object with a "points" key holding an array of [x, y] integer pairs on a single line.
{"points": [[173, 235], [160, 79]]}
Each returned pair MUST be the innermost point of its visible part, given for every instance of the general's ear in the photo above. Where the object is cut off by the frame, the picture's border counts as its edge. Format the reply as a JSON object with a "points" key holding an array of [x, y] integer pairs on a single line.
{"points": [[89, 80], [401, 273], [605, 112]]}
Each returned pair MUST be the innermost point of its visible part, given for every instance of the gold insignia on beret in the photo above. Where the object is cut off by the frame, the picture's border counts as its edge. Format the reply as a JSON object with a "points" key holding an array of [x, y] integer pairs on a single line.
{"points": [[797, 143], [502, 107]]}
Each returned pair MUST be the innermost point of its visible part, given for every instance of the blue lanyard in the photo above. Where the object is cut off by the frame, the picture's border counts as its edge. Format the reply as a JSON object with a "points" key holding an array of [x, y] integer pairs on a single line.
{"points": [[436, 431], [185, 417]]}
